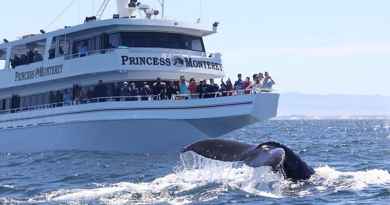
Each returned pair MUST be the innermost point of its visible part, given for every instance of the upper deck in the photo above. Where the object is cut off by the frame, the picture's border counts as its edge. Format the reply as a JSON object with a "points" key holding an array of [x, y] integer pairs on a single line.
{"points": [[149, 48]]}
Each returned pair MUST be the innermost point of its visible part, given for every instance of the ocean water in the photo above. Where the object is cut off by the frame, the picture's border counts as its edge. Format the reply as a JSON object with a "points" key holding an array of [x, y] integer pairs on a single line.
{"points": [[351, 159]]}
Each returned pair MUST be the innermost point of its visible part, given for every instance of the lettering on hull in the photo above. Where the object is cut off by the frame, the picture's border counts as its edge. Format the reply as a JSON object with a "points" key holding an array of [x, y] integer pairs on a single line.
{"points": [[38, 73], [176, 61]]}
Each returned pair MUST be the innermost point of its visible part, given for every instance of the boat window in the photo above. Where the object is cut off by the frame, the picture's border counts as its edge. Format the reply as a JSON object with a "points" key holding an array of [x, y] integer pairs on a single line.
{"points": [[114, 40], [59, 47], [28, 53], [3, 58], [162, 40], [95, 44]]}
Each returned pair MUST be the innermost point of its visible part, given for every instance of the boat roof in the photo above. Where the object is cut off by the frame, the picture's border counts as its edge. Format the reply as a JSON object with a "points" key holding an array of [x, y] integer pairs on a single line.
{"points": [[157, 25]]}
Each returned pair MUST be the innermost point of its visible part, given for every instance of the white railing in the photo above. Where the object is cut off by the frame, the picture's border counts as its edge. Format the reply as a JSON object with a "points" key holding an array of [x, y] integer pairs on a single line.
{"points": [[175, 97]]}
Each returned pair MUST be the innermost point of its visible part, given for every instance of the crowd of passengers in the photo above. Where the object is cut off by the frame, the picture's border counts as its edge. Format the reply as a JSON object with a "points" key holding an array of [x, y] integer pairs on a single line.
{"points": [[162, 90], [31, 56]]}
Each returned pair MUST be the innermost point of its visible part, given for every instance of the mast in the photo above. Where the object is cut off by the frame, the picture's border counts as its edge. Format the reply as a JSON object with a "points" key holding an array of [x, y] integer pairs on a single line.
{"points": [[162, 8], [122, 7]]}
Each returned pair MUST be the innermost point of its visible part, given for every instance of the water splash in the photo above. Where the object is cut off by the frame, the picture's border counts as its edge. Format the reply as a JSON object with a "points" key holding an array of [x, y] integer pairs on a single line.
{"points": [[198, 180], [329, 178]]}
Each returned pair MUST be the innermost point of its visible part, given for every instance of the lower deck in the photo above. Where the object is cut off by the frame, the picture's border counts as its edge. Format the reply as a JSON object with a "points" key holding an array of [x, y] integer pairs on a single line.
{"points": [[132, 126]]}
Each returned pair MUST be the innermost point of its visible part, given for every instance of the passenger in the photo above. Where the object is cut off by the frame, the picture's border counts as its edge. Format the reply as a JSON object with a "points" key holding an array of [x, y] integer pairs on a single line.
{"points": [[172, 90], [164, 91], [23, 59], [254, 77], [192, 87], [247, 85], [30, 56], [76, 94], [67, 97], [52, 53], [101, 91], [239, 84], [229, 87], [261, 77], [134, 92], [145, 92], [157, 88], [268, 81], [212, 89], [37, 56], [183, 89], [257, 85], [223, 88], [202, 89], [125, 90], [84, 95], [83, 50]]}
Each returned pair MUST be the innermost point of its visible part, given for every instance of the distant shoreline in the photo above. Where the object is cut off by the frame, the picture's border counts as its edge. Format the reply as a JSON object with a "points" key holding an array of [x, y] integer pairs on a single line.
{"points": [[351, 117]]}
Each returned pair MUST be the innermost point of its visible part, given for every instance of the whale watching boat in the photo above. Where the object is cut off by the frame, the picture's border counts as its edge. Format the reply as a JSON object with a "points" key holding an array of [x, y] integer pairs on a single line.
{"points": [[63, 90]]}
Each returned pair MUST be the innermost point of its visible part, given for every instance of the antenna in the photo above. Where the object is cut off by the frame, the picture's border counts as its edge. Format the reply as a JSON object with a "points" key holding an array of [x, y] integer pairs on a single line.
{"points": [[102, 8], [200, 11], [162, 3]]}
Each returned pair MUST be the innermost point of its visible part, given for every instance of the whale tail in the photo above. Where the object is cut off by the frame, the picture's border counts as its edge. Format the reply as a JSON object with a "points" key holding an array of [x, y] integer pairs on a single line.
{"points": [[273, 154], [231, 151]]}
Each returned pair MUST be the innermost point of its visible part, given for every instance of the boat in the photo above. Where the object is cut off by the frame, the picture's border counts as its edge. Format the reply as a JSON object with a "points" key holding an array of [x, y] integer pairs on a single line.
{"points": [[44, 74]]}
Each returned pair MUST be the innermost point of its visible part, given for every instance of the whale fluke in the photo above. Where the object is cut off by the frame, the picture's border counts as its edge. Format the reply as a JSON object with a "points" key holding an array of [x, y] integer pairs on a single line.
{"points": [[273, 154]]}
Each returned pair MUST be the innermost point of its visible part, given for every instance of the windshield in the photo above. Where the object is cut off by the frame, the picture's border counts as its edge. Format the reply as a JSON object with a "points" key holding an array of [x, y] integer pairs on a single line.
{"points": [[161, 40]]}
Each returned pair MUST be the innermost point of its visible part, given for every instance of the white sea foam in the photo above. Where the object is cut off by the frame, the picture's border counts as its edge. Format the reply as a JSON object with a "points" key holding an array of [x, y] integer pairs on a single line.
{"points": [[196, 180], [327, 177], [201, 180]]}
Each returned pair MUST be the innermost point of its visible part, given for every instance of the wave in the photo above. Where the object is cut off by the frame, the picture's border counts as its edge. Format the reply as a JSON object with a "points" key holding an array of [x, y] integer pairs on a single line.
{"points": [[198, 180], [327, 178]]}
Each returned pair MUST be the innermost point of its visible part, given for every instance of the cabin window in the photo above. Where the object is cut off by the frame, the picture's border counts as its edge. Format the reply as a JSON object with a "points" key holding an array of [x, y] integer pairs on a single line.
{"points": [[88, 46], [3, 58], [114, 40], [162, 40], [59, 47], [28, 53]]}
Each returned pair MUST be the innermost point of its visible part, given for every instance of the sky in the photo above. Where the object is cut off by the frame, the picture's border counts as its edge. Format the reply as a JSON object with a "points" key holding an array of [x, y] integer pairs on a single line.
{"points": [[314, 47]]}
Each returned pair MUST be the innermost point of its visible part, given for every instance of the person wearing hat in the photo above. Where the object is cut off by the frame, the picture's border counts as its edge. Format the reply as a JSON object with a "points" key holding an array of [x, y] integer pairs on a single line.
{"points": [[125, 90]]}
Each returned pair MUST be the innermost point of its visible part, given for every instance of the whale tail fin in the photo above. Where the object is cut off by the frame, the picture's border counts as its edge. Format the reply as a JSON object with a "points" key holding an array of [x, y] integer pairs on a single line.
{"points": [[273, 154], [231, 151], [293, 166], [221, 150]]}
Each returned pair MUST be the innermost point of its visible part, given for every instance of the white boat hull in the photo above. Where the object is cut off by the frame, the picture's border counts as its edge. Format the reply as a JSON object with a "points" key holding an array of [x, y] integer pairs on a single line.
{"points": [[135, 127]]}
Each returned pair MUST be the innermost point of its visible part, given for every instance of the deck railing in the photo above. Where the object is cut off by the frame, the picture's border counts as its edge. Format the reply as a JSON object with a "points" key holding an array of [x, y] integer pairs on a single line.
{"points": [[176, 97]]}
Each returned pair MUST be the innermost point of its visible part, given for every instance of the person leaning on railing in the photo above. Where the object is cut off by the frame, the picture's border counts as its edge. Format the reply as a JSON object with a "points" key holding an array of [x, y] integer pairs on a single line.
{"points": [[193, 88], [183, 88], [239, 85], [202, 89], [212, 89], [247, 85]]}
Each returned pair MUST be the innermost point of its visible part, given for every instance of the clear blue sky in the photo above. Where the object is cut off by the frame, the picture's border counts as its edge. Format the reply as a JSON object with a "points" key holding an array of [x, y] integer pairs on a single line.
{"points": [[333, 46]]}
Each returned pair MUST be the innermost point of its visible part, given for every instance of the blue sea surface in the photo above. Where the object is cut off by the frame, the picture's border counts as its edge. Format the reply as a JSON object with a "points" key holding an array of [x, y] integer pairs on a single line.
{"points": [[351, 159]]}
